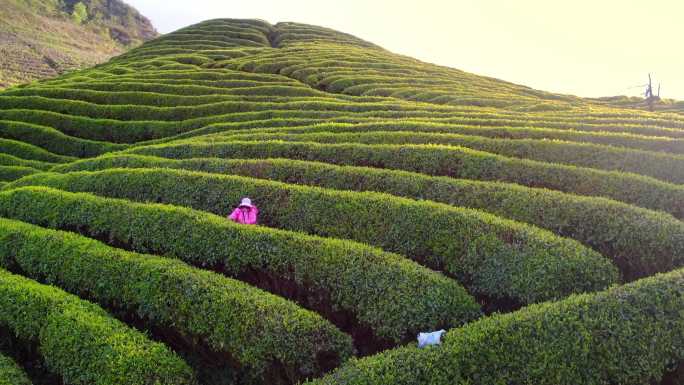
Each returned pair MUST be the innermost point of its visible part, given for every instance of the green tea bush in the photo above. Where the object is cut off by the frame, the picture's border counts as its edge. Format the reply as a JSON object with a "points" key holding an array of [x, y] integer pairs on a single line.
{"points": [[11, 373], [159, 79], [626, 335], [198, 74], [122, 131], [10, 173], [610, 127], [137, 112], [11, 160], [493, 257], [232, 33], [640, 242], [54, 141], [390, 295], [455, 162], [666, 167], [81, 342], [134, 131], [175, 91], [30, 152], [200, 43], [151, 94], [227, 315], [648, 143]]}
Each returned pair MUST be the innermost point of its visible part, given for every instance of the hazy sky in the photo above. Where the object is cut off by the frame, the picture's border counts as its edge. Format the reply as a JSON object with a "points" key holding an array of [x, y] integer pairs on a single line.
{"points": [[581, 47]]}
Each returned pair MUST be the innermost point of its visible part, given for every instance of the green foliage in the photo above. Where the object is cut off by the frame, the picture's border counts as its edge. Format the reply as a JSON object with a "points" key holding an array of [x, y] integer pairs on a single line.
{"points": [[141, 112], [227, 315], [392, 296], [80, 13], [135, 131], [11, 160], [236, 35], [640, 242], [228, 88], [625, 335], [165, 93], [467, 128], [665, 167], [497, 258], [11, 373], [80, 342], [54, 141], [448, 161], [30, 152], [10, 173]]}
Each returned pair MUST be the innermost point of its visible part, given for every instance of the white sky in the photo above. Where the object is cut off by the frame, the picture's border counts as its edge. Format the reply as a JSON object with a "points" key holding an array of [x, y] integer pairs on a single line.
{"points": [[580, 47]]}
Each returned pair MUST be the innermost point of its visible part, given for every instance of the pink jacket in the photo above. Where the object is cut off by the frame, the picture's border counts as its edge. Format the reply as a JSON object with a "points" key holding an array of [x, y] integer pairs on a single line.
{"points": [[246, 217]]}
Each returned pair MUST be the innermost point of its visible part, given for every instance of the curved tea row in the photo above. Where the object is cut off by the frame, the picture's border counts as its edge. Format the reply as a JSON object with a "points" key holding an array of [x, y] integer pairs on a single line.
{"points": [[493, 257], [80, 341], [642, 243]]}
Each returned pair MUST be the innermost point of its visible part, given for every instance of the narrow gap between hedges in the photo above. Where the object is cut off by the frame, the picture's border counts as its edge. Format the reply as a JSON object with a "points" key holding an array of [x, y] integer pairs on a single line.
{"points": [[314, 299], [26, 355], [495, 305], [488, 304], [674, 377], [317, 300], [210, 367]]}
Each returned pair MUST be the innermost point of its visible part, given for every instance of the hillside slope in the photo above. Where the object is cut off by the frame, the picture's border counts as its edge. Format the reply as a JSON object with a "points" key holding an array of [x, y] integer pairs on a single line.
{"points": [[43, 38], [544, 231], [640, 103]]}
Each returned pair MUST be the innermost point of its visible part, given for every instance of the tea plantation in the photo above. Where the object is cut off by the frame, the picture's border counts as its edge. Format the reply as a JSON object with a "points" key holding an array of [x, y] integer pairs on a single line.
{"points": [[545, 232]]}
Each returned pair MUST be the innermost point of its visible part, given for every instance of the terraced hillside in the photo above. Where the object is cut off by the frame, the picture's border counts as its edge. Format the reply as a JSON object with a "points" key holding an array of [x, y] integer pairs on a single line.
{"points": [[543, 231]]}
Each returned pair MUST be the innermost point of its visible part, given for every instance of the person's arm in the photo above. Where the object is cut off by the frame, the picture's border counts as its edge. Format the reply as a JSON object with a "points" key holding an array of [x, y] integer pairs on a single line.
{"points": [[234, 215]]}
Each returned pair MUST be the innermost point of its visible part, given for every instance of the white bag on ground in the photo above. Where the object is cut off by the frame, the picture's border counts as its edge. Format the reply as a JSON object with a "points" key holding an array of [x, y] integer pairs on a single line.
{"points": [[433, 338]]}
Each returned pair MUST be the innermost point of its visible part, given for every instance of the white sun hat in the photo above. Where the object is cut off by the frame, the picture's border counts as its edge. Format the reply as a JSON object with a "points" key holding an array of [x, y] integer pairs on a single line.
{"points": [[246, 202]]}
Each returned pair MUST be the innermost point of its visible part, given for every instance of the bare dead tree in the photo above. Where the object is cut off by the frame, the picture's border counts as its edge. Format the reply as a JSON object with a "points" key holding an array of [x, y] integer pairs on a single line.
{"points": [[649, 89], [650, 98]]}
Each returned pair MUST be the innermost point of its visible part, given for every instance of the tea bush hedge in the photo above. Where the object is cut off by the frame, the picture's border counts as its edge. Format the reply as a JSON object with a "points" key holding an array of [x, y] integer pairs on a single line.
{"points": [[665, 167], [616, 139], [137, 112], [10, 173], [625, 335], [11, 373], [491, 256], [641, 242], [392, 296], [31, 152], [124, 131], [448, 161], [227, 315], [54, 141], [11, 160], [82, 343]]}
